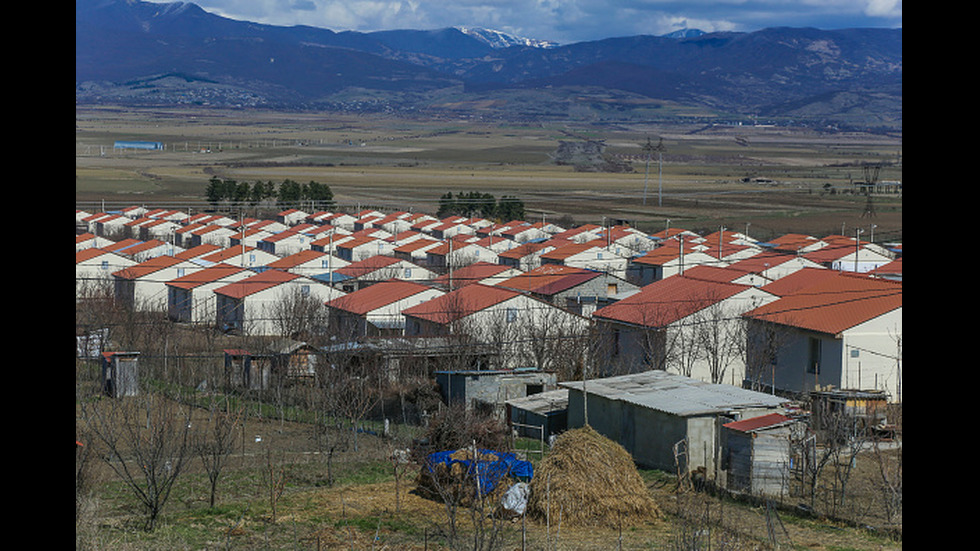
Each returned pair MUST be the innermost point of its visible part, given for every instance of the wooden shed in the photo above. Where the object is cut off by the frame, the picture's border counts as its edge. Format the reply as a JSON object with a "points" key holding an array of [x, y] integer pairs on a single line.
{"points": [[840, 414], [757, 453], [120, 374]]}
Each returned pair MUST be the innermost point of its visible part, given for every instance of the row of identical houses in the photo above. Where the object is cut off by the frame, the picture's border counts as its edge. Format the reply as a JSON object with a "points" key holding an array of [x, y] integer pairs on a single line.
{"points": [[794, 314]]}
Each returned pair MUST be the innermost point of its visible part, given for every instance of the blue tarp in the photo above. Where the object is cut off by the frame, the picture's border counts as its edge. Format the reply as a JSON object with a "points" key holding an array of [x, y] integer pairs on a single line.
{"points": [[489, 472]]}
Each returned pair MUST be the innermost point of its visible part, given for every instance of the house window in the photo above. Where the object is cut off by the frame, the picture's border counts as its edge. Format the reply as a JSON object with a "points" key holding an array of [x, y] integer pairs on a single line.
{"points": [[180, 272], [813, 363], [511, 315], [598, 256], [325, 263], [408, 273], [105, 264], [305, 290]]}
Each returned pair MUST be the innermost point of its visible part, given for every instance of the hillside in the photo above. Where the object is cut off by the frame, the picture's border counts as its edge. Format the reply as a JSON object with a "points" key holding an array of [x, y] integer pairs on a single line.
{"points": [[131, 51]]}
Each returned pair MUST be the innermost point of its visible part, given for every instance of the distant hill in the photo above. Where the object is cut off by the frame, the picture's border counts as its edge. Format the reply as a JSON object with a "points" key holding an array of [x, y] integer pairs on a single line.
{"points": [[132, 51]]}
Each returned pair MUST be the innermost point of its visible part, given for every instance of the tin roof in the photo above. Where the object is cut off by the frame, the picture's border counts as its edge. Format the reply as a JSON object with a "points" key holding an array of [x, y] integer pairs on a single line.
{"points": [[549, 279], [256, 283], [210, 274], [460, 303], [676, 394], [376, 296], [834, 304], [668, 300], [147, 267], [761, 422]]}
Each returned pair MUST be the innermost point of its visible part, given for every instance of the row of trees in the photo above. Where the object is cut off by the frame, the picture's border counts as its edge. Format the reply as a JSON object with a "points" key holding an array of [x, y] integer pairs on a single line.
{"points": [[475, 203], [288, 192]]}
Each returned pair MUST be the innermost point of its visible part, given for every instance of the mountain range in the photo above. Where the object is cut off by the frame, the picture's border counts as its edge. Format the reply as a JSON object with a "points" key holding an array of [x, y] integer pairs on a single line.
{"points": [[128, 51]]}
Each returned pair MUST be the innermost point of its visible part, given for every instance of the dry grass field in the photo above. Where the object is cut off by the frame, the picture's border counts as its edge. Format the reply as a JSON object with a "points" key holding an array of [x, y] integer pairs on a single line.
{"points": [[360, 510], [769, 180]]}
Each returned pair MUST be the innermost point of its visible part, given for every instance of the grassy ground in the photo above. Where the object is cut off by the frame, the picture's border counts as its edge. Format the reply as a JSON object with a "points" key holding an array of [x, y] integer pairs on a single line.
{"points": [[361, 510]]}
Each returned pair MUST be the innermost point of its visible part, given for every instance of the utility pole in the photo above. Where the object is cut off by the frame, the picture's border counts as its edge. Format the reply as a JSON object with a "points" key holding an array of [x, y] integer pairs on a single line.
{"points": [[649, 147]]}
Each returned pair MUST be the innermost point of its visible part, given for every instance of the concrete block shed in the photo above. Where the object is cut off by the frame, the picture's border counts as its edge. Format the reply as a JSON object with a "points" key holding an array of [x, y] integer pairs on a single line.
{"points": [[548, 410], [491, 388]]}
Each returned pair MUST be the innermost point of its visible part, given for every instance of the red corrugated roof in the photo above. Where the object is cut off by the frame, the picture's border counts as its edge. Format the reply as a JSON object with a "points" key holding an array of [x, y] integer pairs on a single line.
{"points": [[473, 273], [256, 283], [296, 259], [756, 423], [666, 301], [797, 280], [375, 296], [833, 305], [549, 279], [198, 251], [563, 252], [147, 267], [206, 275], [460, 303], [368, 265], [762, 261]]}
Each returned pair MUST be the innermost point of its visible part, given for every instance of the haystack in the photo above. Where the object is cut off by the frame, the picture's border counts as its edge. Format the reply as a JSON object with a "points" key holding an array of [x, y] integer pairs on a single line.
{"points": [[589, 480]]}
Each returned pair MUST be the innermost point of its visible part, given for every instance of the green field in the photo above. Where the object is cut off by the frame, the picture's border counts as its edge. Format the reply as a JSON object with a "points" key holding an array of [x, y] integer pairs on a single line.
{"points": [[771, 180]]}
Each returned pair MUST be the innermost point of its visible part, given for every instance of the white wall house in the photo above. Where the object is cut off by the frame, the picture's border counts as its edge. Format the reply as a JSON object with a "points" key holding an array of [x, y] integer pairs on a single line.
{"points": [[212, 233], [665, 261], [260, 304], [774, 265], [245, 257], [377, 310], [143, 286], [687, 326], [191, 298], [591, 255], [525, 257], [360, 248], [291, 217], [812, 338], [308, 263], [286, 243], [90, 240], [94, 268], [522, 331], [849, 258], [416, 250], [379, 268], [456, 253]]}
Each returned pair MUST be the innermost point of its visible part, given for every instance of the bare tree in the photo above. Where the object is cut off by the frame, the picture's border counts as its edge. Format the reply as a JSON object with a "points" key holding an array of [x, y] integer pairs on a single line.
{"points": [[720, 337], [763, 343], [274, 480], [145, 441], [299, 315], [473, 514], [215, 442], [889, 475]]}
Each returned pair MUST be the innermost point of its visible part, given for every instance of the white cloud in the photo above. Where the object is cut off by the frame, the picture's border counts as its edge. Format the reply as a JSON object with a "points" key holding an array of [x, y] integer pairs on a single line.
{"points": [[563, 21]]}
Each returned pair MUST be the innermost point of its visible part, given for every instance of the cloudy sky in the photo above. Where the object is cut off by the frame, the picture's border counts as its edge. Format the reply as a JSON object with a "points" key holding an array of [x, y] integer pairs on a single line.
{"points": [[564, 21]]}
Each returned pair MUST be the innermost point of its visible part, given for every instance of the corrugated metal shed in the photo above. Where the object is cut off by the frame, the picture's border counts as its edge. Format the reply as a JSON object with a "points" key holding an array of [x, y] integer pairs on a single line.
{"points": [[675, 394]]}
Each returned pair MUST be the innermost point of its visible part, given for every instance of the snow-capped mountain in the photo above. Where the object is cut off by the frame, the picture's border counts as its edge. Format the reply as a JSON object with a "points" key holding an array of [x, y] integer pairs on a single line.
{"points": [[500, 39]]}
